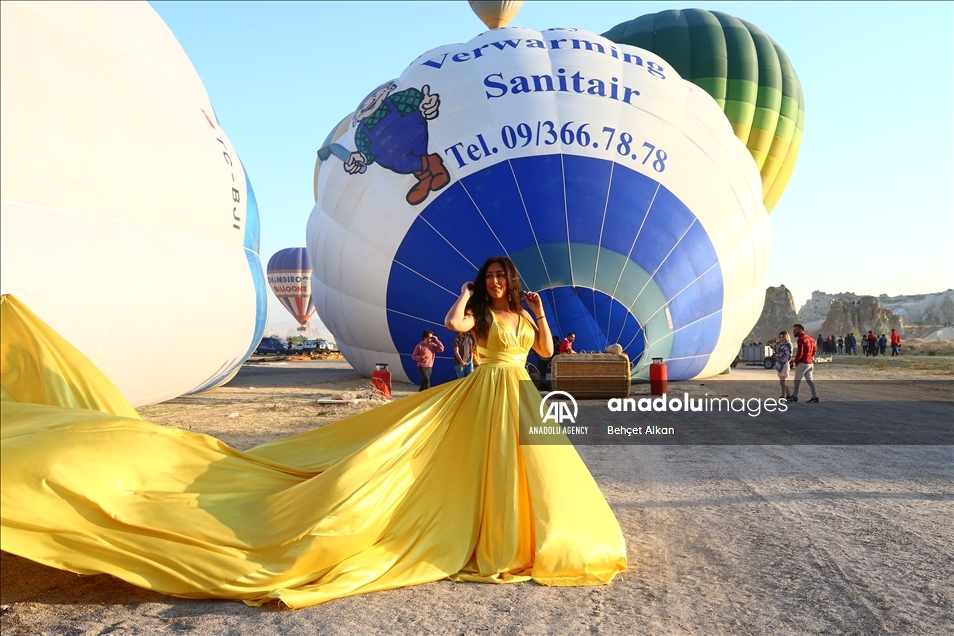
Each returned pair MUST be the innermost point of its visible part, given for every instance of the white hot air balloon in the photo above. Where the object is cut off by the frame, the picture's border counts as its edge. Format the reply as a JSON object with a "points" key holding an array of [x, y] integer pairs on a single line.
{"points": [[128, 222], [618, 189]]}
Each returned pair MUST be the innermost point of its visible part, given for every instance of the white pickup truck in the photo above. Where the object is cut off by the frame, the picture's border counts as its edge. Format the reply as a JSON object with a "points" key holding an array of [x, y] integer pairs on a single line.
{"points": [[319, 346], [307, 345]]}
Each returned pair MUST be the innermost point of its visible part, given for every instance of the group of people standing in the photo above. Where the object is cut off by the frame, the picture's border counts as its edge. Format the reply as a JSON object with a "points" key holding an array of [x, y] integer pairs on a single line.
{"points": [[871, 344], [875, 345], [465, 350]]}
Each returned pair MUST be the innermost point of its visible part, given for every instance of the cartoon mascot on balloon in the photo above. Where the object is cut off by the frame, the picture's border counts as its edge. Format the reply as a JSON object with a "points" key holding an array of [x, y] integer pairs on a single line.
{"points": [[391, 129]]}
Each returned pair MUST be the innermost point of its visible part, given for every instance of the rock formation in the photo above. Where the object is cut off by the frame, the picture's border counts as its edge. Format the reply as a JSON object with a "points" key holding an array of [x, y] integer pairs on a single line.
{"points": [[846, 312], [858, 316], [944, 333], [778, 314], [922, 309], [919, 309], [816, 308]]}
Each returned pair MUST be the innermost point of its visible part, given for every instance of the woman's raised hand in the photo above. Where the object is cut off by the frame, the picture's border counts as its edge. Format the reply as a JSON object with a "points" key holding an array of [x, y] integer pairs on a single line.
{"points": [[534, 303], [457, 318]]}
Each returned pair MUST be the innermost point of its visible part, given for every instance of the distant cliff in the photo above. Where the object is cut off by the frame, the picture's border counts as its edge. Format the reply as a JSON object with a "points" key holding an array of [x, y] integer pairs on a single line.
{"points": [[846, 311], [922, 309], [858, 317], [778, 314]]}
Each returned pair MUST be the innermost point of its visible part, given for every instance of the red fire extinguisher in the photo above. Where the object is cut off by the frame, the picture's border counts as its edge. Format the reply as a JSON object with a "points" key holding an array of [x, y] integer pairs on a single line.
{"points": [[658, 377], [381, 379]]}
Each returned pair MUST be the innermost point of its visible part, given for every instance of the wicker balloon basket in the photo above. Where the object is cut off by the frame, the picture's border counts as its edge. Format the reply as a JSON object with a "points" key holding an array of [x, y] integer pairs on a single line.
{"points": [[591, 375]]}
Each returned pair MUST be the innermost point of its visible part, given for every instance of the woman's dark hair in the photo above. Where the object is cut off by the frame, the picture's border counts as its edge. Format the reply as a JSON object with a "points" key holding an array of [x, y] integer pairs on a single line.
{"points": [[479, 303]]}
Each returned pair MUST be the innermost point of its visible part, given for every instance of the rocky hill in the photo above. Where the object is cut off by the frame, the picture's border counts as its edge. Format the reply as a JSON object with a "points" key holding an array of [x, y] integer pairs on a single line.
{"points": [[853, 312], [778, 314], [858, 316], [816, 308], [922, 309]]}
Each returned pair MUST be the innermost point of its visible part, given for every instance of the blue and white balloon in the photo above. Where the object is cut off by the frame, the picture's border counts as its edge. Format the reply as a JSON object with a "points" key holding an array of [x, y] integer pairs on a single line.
{"points": [[618, 189]]}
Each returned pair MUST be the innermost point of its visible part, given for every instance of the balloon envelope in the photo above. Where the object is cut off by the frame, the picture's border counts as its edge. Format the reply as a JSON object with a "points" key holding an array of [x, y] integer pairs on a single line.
{"points": [[496, 14], [289, 276], [744, 70], [128, 222], [618, 189]]}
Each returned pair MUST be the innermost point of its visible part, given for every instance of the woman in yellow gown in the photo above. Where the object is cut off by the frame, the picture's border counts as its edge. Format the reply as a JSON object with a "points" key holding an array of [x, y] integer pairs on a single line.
{"points": [[432, 486]]}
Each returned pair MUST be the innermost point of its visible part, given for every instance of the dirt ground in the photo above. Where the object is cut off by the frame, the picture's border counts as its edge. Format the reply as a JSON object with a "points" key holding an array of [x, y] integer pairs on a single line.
{"points": [[722, 539]]}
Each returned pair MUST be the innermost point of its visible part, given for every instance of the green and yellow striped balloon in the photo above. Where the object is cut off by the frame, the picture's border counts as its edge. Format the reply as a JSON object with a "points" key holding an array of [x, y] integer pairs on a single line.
{"points": [[746, 72]]}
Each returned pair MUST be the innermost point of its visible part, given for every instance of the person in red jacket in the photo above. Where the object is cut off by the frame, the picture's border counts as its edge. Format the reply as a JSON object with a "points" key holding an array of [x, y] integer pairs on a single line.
{"points": [[804, 362], [895, 342]]}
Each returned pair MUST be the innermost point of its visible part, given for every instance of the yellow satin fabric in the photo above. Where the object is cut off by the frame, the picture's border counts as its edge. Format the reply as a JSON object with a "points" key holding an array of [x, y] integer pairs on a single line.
{"points": [[431, 486]]}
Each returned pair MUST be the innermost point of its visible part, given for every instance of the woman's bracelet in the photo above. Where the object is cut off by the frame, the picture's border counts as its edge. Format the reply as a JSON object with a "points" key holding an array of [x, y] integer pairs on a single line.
{"points": [[543, 316]]}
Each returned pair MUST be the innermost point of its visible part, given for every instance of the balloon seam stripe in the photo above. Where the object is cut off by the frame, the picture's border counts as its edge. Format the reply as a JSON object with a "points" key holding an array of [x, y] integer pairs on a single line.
{"points": [[609, 190], [676, 295], [436, 231], [483, 218], [438, 285], [642, 223], [526, 213], [401, 313], [689, 324], [566, 217], [599, 243]]}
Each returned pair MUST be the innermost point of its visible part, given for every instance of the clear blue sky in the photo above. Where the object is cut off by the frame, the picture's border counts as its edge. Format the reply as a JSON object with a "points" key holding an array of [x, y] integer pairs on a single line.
{"points": [[870, 208]]}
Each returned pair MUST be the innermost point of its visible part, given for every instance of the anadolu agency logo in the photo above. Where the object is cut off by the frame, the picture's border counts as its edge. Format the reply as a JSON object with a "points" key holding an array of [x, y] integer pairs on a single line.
{"points": [[557, 411]]}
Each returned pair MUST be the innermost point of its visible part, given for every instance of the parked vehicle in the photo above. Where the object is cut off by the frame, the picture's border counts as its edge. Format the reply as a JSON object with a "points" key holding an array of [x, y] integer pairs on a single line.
{"points": [[754, 355], [307, 346], [272, 346], [326, 346]]}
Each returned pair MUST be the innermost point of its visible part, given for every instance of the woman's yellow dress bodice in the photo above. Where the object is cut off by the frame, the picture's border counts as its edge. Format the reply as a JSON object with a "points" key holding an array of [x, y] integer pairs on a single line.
{"points": [[431, 486], [505, 347]]}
